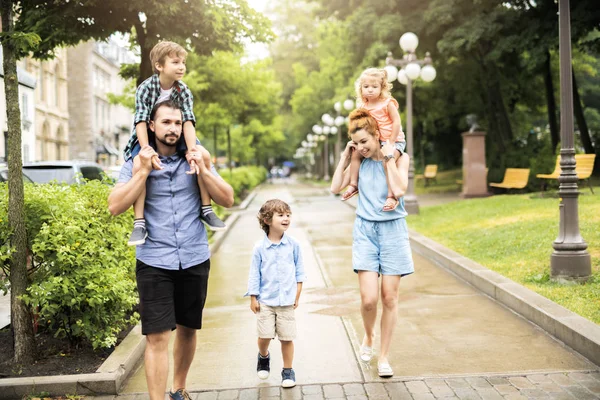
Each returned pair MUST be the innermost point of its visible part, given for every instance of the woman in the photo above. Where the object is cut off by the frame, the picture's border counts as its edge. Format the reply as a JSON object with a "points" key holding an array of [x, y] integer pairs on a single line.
{"points": [[380, 243]]}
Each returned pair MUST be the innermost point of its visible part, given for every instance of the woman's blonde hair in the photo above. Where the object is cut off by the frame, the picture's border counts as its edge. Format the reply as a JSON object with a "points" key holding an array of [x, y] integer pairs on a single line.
{"points": [[377, 74], [268, 209], [361, 119], [163, 49]]}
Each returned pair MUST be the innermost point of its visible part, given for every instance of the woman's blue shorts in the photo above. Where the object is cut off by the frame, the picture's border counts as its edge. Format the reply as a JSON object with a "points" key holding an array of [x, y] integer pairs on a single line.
{"points": [[382, 247]]}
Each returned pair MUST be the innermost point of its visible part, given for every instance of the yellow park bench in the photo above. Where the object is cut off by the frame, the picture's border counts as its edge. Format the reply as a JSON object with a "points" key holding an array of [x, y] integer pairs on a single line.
{"points": [[430, 173], [584, 165], [514, 178]]}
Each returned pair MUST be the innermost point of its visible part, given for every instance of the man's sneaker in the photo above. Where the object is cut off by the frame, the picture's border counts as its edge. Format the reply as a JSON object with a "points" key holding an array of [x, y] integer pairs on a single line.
{"points": [[288, 378], [263, 366], [138, 236], [212, 221], [181, 394]]}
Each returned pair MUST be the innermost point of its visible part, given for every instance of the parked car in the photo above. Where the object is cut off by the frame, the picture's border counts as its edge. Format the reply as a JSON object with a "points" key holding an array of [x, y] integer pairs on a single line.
{"points": [[63, 171], [4, 174]]}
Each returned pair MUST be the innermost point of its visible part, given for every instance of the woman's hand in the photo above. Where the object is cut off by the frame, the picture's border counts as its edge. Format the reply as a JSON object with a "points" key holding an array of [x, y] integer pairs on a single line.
{"points": [[350, 147], [387, 149]]}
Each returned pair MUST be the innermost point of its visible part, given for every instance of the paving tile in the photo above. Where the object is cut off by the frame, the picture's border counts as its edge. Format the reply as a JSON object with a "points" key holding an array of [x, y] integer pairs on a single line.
{"points": [[515, 396], [333, 391], [248, 394], [354, 389], [269, 392], [357, 397], [442, 392], [496, 380], [417, 387], [562, 379], [592, 386], [294, 393], [207, 396], [435, 383], [561, 396], [457, 383], [312, 389], [581, 393], [506, 389], [479, 383], [228, 395], [423, 396], [595, 375], [534, 393], [397, 391], [520, 382], [550, 387], [376, 391], [489, 394], [317, 396], [467, 394]]}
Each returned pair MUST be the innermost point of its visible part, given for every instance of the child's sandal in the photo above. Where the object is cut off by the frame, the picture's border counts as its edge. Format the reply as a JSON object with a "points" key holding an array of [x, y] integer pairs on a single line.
{"points": [[388, 208], [350, 192]]}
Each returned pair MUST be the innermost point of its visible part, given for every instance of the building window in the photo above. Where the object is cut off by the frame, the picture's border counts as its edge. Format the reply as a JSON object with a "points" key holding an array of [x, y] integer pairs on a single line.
{"points": [[41, 82], [57, 86], [25, 107]]}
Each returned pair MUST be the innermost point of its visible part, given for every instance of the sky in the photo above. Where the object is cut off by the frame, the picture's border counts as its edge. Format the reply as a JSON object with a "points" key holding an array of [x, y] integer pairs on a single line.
{"points": [[257, 51]]}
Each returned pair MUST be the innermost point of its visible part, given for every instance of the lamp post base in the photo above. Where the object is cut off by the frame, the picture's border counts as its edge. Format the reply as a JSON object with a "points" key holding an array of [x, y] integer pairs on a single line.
{"points": [[411, 205], [570, 265], [326, 178]]}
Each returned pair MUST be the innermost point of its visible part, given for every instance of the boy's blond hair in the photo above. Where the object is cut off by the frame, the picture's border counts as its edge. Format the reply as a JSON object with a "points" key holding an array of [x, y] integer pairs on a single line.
{"points": [[163, 49], [377, 74], [268, 209]]}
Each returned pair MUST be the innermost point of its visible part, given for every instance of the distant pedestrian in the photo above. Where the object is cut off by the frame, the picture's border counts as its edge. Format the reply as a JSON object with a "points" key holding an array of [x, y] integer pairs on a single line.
{"points": [[380, 243], [274, 286], [373, 94]]}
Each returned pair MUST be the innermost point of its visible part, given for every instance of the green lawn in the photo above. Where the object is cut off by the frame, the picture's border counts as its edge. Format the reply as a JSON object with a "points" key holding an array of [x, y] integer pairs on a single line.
{"points": [[513, 235], [445, 183]]}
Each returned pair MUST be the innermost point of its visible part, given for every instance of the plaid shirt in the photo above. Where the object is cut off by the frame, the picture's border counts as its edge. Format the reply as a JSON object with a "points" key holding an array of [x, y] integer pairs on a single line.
{"points": [[146, 96]]}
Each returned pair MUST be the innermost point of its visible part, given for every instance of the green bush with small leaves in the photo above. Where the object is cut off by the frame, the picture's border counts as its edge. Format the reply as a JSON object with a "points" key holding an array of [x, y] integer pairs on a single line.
{"points": [[82, 273], [244, 179]]}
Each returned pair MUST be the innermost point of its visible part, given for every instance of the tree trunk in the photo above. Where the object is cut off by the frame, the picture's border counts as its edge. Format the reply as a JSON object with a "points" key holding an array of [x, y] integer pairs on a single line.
{"points": [[586, 141], [146, 69], [21, 322], [551, 103]]}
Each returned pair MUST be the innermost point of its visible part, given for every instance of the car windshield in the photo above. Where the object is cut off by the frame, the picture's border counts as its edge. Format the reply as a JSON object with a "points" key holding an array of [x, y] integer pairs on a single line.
{"points": [[49, 173]]}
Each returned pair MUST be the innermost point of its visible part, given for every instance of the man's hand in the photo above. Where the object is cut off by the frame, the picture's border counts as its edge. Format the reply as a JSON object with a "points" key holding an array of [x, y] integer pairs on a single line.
{"points": [[254, 304], [146, 154]]}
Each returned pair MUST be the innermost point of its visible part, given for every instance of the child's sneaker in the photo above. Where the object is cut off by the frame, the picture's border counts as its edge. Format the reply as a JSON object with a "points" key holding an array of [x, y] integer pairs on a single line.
{"points": [[288, 378], [138, 236], [211, 220], [180, 394], [263, 366]]}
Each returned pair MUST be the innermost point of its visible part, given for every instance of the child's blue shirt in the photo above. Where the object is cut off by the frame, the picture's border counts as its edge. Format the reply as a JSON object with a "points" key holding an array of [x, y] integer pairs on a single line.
{"points": [[275, 271]]}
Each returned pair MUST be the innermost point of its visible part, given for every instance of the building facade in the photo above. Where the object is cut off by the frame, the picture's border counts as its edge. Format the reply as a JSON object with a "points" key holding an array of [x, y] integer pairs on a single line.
{"points": [[27, 84], [99, 129]]}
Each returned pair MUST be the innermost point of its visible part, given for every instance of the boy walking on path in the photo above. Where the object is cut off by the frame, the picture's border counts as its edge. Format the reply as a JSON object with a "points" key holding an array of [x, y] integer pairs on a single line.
{"points": [[168, 63], [274, 285], [172, 267]]}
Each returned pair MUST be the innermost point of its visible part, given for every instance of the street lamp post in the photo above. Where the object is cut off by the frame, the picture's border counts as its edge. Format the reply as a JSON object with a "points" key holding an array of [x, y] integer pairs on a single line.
{"points": [[410, 70], [570, 258]]}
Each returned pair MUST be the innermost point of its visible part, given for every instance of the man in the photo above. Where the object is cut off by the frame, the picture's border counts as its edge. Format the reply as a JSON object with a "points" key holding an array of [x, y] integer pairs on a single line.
{"points": [[172, 266]]}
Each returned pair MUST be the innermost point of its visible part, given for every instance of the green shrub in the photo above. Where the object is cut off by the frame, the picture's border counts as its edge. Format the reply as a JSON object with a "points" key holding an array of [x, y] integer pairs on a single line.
{"points": [[82, 271], [244, 179]]}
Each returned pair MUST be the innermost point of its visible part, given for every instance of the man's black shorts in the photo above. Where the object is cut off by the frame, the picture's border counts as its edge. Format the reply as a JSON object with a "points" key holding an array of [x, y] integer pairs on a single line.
{"points": [[171, 297]]}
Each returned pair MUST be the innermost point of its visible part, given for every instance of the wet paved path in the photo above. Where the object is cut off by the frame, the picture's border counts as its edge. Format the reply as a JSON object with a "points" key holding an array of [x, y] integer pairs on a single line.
{"points": [[451, 341]]}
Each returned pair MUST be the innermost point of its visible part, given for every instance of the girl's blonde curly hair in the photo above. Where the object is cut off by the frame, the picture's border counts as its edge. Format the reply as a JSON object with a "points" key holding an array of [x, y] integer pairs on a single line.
{"points": [[268, 209], [373, 73]]}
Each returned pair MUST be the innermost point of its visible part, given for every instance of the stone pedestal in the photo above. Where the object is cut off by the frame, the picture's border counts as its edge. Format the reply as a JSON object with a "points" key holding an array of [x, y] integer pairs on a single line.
{"points": [[474, 170]]}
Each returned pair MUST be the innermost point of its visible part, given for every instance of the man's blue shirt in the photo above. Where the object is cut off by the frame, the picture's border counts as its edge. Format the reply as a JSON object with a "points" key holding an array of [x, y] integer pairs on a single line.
{"points": [[275, 271], [176, 236]]}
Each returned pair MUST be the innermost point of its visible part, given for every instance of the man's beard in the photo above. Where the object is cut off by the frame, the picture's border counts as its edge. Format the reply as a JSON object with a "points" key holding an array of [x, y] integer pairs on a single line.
{"points": [[164, 141]]}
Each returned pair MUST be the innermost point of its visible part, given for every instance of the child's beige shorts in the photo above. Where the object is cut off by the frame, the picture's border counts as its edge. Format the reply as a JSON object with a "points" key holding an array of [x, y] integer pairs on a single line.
{"points": [[276, 320]]}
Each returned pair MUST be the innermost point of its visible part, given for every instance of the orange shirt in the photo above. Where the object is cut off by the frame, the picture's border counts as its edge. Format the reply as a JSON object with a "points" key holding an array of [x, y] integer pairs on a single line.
{"points": [[384, 122]]}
